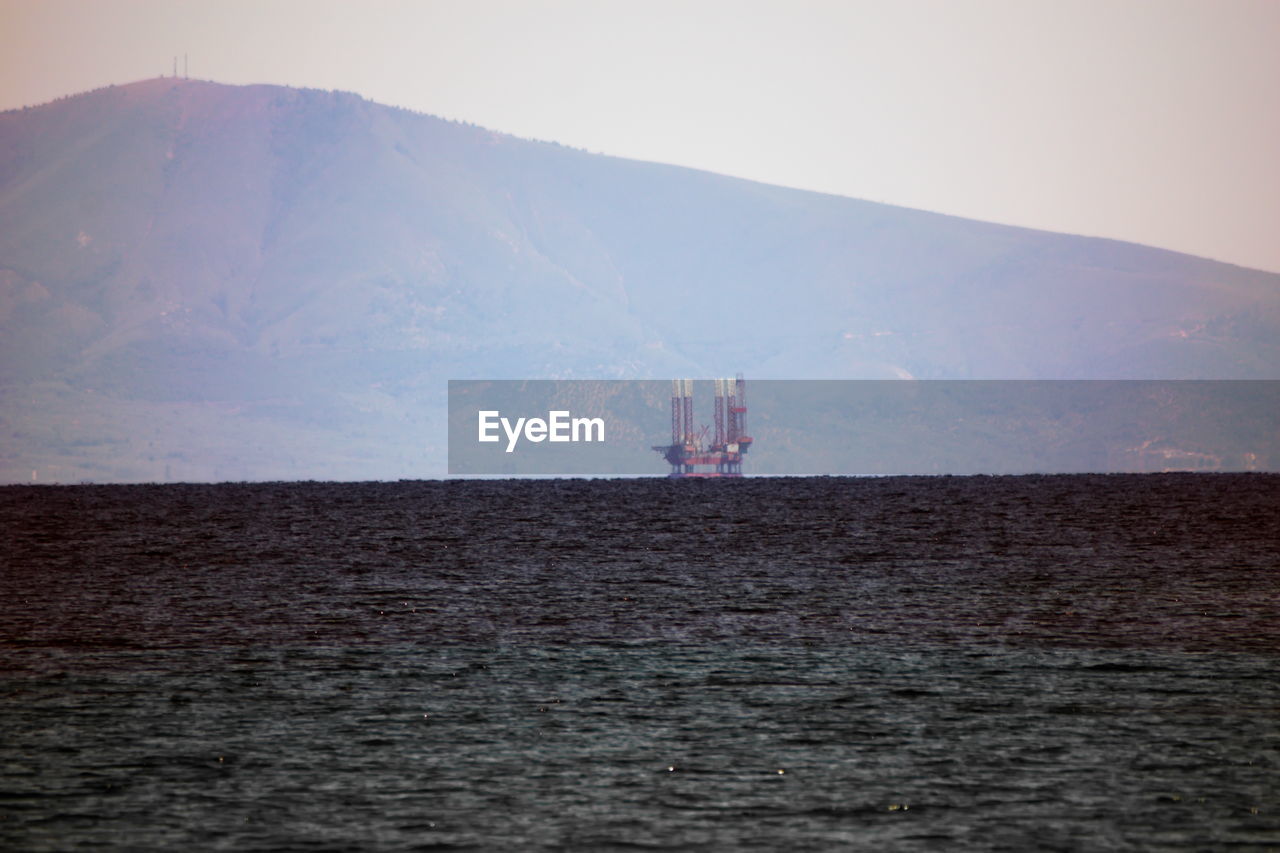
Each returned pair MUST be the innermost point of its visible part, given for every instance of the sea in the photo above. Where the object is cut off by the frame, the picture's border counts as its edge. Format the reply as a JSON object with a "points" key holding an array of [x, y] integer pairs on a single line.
{"points": [[1074, 662]]}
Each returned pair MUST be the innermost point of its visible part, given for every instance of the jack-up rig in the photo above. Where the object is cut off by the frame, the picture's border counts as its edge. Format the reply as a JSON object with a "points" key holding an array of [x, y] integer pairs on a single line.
{"points": [[688, 455]]}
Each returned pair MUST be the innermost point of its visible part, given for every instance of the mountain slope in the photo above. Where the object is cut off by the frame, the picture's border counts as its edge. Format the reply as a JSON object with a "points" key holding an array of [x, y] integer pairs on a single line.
{"points": [[269, 282]]}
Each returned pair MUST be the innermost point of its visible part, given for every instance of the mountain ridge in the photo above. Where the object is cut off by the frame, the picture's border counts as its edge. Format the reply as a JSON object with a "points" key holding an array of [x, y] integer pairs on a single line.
{"points": [[278, 259]]}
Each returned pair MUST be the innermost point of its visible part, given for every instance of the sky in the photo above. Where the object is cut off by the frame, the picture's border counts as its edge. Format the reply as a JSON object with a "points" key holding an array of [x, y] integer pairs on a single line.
{"points": [[1154, 121]]}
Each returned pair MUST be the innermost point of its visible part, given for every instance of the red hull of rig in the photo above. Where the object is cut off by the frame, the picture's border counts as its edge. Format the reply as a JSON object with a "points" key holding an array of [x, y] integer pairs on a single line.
{"points": [[689, 456]]}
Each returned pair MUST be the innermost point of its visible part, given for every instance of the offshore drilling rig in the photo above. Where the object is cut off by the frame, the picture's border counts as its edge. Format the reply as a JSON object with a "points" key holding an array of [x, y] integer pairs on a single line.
{"points": [[688, 454]]}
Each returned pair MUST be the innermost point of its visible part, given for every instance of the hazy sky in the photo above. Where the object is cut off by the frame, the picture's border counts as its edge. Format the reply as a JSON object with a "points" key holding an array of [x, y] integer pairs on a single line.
{"points": [[1156, 121]]}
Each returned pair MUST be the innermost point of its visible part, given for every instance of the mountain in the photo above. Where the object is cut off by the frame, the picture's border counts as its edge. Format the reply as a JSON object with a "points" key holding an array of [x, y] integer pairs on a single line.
{"points": [[200, 281]]}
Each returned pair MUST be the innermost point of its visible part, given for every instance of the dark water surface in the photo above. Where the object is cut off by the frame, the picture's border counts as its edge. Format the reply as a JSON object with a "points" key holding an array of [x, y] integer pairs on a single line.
{"points": [[1011, 663]]}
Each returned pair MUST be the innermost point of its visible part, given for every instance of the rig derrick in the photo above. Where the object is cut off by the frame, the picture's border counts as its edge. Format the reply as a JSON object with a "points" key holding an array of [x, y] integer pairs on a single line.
{"points": [[689, 454]]}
